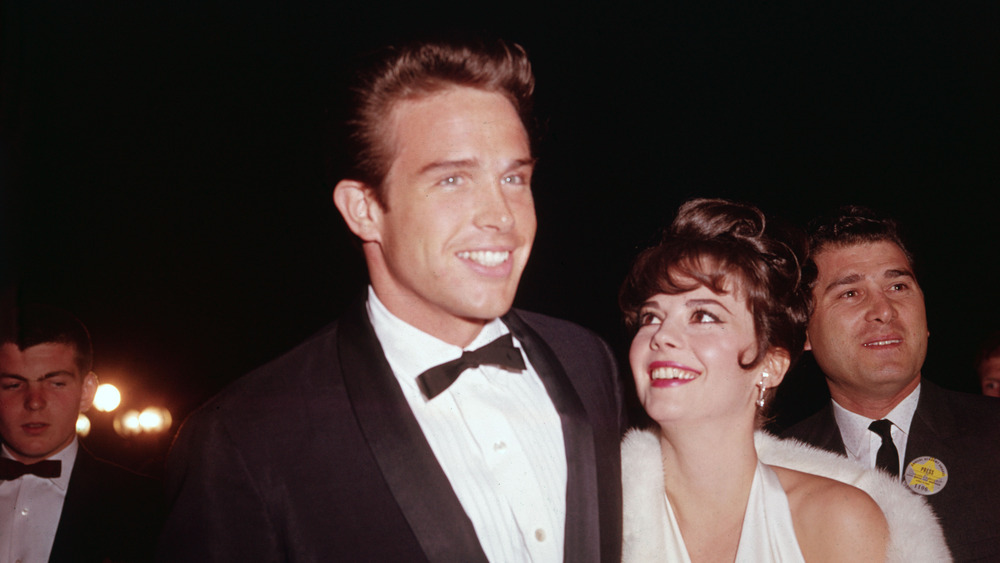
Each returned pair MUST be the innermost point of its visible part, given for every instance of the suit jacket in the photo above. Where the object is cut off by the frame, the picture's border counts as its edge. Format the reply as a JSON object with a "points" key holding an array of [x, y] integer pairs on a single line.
{"points": [[318, 457], [109, 514], [963, 432]]}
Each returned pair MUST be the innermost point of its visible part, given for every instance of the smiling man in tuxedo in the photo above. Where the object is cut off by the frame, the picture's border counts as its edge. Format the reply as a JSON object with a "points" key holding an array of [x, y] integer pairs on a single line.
{"points": [[431, 422]]}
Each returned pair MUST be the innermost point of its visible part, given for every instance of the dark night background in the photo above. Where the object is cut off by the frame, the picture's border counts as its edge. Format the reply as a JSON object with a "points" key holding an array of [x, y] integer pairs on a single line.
{"points": [[163, 164]]}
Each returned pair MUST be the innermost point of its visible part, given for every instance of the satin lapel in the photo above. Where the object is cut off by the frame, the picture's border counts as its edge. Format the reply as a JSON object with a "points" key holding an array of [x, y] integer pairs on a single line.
{"points": [[583, 537], [407, 462], [77, 510]]}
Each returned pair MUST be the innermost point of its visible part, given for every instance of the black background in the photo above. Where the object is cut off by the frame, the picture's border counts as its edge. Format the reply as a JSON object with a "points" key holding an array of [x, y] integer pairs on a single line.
{"points": [[163, 164]]}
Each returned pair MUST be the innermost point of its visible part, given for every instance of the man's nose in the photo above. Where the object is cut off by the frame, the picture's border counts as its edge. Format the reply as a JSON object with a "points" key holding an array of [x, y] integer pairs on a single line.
{"points": [[880, 308], [494, 210], [35, 399]]}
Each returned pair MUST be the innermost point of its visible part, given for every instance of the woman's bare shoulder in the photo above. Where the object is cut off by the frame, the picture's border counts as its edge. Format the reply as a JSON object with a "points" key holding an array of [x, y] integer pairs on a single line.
{"points": [[833, 521]]}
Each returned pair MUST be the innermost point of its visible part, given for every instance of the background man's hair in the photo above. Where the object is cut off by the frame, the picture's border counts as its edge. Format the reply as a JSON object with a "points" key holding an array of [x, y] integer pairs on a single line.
{"points": [[420, 69], [848, 226], [990, 349], [45, 324]]}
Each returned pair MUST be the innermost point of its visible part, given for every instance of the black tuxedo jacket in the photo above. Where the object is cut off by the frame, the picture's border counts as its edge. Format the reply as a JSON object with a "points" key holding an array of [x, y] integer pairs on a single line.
{"points": [[963, 432], [109, 514], [317, 457]]}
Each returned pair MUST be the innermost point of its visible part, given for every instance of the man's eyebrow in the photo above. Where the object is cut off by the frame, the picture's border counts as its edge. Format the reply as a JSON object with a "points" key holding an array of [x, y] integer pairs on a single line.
{"points": [[898, 273], [448, 165], [522, 162], [842, 281], [50, 375], [471, 163]]}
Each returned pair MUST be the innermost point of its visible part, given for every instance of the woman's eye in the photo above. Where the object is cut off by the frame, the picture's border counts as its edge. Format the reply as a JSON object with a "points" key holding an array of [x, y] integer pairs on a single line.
{"points": [[704, 317], [648, 319]]}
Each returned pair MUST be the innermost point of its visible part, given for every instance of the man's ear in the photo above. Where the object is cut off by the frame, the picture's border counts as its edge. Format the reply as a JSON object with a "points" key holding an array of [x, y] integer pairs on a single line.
{"points": [[90, 384], [361, 211], [776, 365], [808, 347]]}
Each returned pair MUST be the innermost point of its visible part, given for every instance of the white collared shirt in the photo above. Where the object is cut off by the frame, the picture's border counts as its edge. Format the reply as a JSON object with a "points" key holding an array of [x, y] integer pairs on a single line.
{"points": [[495, 433], [30, 507], [862, 444]]}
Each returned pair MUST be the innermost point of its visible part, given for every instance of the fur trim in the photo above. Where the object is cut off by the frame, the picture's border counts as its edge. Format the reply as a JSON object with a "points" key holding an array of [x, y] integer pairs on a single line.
{"points": [[914, 532], [644, 538]]}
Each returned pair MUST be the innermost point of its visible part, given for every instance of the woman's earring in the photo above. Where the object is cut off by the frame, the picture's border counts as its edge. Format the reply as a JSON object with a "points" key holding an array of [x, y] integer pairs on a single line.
{"points": [[762, 384]]}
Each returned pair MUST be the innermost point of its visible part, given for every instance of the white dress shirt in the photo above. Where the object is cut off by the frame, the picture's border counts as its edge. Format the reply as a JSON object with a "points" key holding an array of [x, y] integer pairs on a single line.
{"points": [[495, 433], [862, 444], [30, 507]]}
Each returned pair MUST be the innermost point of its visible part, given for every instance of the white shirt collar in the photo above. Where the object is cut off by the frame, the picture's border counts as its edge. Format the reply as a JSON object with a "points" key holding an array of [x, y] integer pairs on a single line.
{"points": [[410, 351], [67, 456], [854, 427]]}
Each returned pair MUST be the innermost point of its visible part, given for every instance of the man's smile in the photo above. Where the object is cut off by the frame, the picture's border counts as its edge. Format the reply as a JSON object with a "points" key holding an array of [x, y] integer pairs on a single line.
{"points": [[488, 258]]}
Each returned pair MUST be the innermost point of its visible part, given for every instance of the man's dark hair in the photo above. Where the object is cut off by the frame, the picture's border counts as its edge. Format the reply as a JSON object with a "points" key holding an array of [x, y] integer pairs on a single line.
{"points": [[989, 350], [420, 69], [848, 226], [44, 324]]}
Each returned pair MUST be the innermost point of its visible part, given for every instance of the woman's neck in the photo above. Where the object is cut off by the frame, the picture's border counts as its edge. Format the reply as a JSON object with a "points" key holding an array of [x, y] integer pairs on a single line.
{"points": [[708, 470]]}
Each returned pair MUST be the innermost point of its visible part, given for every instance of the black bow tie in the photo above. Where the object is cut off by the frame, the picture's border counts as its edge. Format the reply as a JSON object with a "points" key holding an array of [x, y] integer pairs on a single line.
{"points": [[501, 352], [11, 469]]}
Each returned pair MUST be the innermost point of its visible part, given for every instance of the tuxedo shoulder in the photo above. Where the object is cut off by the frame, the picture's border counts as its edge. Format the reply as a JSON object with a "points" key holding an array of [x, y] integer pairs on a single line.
{"points": [[966, 409], [115, 492], [972, 404], [551, 327], [122, 475], [300, 372]]}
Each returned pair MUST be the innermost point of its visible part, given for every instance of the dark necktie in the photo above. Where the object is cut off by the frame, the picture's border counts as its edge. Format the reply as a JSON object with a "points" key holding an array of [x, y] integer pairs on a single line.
{"points": [[887, 456], [11, 469], [501, 352]]}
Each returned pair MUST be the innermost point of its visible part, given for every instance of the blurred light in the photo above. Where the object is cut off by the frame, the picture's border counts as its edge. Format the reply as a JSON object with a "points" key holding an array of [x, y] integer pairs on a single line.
{"points": [[127, 423], [82, 425], [107, 397], [155, 419]]}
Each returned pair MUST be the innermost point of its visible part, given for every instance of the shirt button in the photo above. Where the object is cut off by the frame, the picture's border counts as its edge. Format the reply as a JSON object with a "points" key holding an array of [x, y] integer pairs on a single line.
{"points": [[24, 511], [499, 446], [540, 534]]}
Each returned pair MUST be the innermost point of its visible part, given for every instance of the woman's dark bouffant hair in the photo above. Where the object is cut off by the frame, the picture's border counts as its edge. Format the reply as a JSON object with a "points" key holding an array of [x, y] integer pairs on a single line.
{"points": [[714, 241]]}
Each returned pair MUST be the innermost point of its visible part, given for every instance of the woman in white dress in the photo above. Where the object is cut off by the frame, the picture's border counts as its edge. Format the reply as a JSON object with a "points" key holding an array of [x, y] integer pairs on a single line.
{"points": [[719, 315]]}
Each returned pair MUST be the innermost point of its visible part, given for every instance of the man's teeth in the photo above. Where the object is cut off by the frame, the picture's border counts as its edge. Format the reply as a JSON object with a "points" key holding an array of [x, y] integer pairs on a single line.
{"points": [[485, 257], [672, 373], [883, 342]]}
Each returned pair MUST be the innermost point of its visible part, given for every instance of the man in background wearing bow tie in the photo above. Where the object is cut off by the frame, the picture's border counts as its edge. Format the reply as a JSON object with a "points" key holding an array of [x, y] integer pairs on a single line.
{"points": [[58, 502], [431, 422], [868, 333]]}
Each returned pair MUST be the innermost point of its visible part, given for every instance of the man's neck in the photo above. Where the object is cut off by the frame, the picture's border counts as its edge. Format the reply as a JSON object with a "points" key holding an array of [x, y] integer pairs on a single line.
{"points": [[452, 330], [868, 404]]}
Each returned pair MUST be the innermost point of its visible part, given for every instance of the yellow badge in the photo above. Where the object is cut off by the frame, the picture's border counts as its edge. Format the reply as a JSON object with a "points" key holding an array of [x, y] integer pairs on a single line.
{"points": [[926, 475]]}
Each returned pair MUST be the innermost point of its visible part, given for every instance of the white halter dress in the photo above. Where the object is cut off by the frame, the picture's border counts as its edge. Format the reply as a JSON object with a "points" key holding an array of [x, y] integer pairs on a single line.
{"points": [[767, 533], [651, 534]]}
